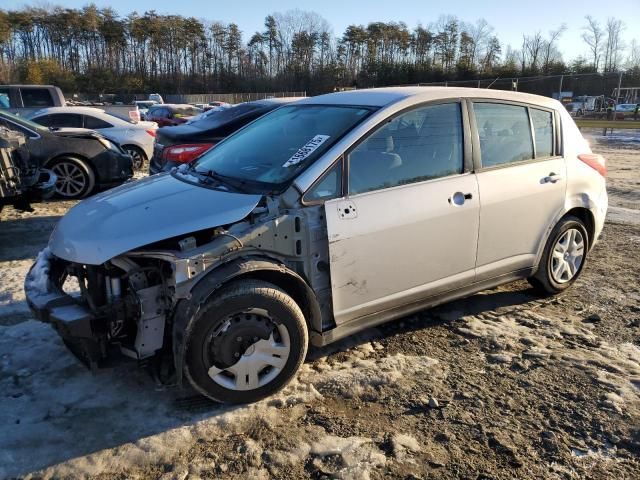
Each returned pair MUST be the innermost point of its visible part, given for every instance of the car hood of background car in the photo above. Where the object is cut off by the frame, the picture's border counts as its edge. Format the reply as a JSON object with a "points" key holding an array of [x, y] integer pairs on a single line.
{"points": [[143, 212]]}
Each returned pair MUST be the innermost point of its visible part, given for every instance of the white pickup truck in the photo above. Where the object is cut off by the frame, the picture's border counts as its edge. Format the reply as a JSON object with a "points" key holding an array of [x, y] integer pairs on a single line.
{"points": [[25, 99]]}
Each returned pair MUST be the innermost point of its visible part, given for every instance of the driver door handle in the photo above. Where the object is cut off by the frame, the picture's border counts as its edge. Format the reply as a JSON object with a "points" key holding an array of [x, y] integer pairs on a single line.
{"points": [[552, 178]]}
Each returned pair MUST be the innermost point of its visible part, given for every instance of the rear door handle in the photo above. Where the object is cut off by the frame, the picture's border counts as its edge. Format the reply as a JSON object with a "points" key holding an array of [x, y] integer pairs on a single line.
{"points": [[552, 178]]}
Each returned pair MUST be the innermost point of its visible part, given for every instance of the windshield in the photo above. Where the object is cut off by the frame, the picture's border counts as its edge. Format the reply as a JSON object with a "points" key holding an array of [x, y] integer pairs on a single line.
{"points": [[275, 148], [24, 122]]}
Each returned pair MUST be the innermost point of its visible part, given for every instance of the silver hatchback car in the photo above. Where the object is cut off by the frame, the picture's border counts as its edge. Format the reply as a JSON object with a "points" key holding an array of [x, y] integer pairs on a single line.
{"points": [[320, 219]]}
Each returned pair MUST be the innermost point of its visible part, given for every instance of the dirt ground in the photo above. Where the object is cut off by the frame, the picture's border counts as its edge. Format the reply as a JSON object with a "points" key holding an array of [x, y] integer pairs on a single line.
{"points": [[504, 384]]}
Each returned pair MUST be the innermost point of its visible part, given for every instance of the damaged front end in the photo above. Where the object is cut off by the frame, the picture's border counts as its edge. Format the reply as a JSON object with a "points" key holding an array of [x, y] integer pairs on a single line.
{"points": [[140, 302], [120, 304]]}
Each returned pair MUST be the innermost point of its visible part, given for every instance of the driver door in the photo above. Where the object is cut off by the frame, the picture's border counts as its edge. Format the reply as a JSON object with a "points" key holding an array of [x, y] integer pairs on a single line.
{"points": [[408, 228]]}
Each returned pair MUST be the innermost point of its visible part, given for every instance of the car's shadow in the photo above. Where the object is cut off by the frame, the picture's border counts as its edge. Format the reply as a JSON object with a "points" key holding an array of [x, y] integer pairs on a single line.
{"points": [[54, 410], [32, 232]]}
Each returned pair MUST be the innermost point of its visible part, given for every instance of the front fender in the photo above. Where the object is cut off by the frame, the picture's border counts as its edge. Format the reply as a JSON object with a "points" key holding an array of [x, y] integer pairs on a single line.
{"points": [[187, 309]]}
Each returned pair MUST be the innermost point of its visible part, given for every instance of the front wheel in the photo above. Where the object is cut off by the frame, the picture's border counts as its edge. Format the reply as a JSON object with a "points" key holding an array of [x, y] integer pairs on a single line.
{"points": [[563, 258], [246, 343], [75, 179]]}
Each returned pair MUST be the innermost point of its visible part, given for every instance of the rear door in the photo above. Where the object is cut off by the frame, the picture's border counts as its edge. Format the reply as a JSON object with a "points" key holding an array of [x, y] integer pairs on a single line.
{"points": [[408, 227], [522, 181]]}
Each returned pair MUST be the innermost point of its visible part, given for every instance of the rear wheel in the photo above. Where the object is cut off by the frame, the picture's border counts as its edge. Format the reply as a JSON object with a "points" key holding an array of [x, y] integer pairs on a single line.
{"points": [[75, 178], [246, 343], [137, 155], [563, 258]]}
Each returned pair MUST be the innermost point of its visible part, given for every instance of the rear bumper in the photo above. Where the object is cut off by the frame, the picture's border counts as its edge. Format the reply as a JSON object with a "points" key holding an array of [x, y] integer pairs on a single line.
{"points": [[600, 215]]}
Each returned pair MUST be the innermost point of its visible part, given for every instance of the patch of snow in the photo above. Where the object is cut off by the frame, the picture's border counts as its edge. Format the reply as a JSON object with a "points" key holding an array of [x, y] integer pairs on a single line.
{"points": [[37, 281], [358, 456]]}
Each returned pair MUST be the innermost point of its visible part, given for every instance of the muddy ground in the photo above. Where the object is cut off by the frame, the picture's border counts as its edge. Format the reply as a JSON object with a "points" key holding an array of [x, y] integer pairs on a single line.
{"points": [[504, 384]]}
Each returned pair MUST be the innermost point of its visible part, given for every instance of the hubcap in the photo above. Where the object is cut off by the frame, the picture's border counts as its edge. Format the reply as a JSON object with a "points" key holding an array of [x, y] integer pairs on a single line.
{"points": [[71, 179], [136, 157], [568, 254], [259, 360]]}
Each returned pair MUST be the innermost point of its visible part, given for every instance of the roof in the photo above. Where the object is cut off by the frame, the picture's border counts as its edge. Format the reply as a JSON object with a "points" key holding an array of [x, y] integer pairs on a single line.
{"points": [[69, 109], [380, 97]]}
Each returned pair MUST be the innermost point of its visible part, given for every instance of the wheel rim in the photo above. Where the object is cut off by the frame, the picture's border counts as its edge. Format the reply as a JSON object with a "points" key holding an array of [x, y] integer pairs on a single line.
{"points": [[71, 181], [567, 256], [261, 362], [136, 156]]}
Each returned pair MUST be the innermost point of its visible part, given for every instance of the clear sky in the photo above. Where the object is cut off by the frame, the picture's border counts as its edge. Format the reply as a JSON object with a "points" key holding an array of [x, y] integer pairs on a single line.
{"points": [[510, 18]]}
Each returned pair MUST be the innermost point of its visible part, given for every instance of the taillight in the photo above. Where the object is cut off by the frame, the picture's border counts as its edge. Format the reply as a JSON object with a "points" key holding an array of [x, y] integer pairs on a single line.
{"points": [[151, 132], [597, 162], [185, 153]]}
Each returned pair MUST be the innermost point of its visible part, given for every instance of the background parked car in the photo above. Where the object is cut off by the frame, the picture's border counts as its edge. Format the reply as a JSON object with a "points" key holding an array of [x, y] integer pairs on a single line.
{"points": [[143, 107], [136, 139], [83, 160], [184, 143], [625, 110], [167, 114], [27, 98]]}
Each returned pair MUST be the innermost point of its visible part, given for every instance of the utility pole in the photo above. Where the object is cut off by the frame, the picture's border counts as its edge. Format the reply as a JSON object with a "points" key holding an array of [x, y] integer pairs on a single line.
{"points": [[560, 90], [619, 87]]}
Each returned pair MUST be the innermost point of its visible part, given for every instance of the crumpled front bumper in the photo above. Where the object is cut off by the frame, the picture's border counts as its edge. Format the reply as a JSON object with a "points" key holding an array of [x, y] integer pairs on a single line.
{"points": [[72, 320]]}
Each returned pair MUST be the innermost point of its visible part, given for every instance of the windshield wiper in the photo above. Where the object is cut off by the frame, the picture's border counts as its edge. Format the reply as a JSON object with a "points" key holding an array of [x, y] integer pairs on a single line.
{"points": [[231, 181]]}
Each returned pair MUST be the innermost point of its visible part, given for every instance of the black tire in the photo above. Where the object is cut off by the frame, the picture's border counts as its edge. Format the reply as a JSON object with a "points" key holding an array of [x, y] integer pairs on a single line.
{"points": [[79, 170], [231, 300], [137, 155], [544, 280]]}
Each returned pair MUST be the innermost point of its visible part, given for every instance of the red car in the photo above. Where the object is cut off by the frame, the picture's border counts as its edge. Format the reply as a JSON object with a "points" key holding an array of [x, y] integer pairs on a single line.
{"points": [[167, 114]]}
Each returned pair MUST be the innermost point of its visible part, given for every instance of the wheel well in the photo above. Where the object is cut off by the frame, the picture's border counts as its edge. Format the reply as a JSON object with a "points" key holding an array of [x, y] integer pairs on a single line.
{"points": [[586, 216], [136, 147], [300, 293]]}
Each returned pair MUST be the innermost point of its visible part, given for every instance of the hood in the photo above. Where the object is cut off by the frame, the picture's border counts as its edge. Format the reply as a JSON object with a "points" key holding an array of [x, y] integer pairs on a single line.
{"points": [[143, 212], [76, 132]]}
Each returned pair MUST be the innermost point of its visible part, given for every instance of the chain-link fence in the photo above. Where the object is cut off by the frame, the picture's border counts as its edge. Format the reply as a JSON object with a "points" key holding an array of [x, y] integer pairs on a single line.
{"points": [[129, 98], [567, 87], [229, 97]]}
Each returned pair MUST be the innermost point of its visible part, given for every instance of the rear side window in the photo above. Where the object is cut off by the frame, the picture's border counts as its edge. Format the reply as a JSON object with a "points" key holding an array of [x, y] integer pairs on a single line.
{"points": [[505, 133], [543, 129], [36, 97], [159, 112], [95, 123], [62, 120], [422, 144]]}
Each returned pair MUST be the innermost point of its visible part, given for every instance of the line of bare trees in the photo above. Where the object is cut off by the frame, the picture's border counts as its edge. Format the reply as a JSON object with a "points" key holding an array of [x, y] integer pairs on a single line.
{"points": [[95, 50]]}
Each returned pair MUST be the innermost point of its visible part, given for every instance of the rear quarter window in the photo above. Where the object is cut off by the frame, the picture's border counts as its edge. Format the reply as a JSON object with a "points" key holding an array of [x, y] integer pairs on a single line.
{"points": [[543, 129]]}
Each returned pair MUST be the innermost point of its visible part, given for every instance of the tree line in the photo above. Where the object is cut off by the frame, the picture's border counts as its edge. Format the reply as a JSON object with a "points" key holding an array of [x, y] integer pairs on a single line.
{"points": [[95, 50]]}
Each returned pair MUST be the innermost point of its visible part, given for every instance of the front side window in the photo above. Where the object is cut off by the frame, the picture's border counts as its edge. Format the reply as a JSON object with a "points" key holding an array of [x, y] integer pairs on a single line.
{"points": [[5, 98], [505, 133], [423, 144], [543, 128], [278, 146], [64, 120], [36, 97]]}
